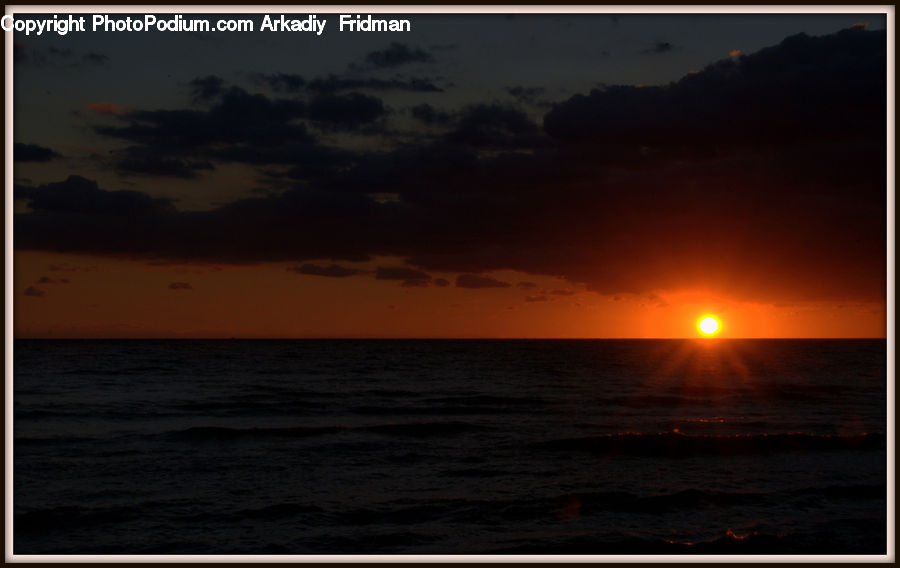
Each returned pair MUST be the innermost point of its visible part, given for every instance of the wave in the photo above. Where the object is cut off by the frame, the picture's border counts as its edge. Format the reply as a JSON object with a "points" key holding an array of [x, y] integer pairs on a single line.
{"points": [[600, 504], [588, 504], [656, 400], [707, 395], [434, 410], [52, 441], [731, 542], [76, 516], [391, 393], [687, 499], [425, 429], [856, 492], [475, 472], [221, 433], [677, 445], [277, 511], [79, 412], [487, 400], [621, 501], [125, 371], [413, 429], [246, 408], [461, 405], [405, 518], [72, 516]]}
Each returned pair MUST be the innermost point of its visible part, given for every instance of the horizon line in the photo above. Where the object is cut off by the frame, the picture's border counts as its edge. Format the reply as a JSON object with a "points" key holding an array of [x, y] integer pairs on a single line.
{"points": [[447, 338]]}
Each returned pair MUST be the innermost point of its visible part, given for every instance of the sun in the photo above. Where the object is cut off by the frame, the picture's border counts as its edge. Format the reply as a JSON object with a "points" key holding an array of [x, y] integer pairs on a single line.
{"points": [[708, 325]]}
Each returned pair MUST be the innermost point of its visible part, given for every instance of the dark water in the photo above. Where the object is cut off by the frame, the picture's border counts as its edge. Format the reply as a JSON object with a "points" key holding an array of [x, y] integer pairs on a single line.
{"points": [[450, 447]]}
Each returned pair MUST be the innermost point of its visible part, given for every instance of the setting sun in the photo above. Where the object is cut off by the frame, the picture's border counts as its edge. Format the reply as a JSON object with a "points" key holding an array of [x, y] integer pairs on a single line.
{"points": [[708, 325]]}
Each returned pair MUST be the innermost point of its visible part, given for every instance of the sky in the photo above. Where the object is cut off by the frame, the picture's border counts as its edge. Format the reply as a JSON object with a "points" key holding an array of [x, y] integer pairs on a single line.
{"points": [[482, 175]]}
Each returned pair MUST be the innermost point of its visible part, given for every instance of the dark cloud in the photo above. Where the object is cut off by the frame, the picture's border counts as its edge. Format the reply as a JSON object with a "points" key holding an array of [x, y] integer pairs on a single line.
{"points": [[205, 89], [81, 196], [95, 58], [329, 84], [400, 273], [237, 117], [441, 282], [429, 115], [802, 89], [476, 281], [144, 160], [60, 52], [39, 57], [526, 285], [333, 271], [493, 125], [348, 111], [536, 298], [70, 268], [398, 54], [282, 82], [562, 292], [238, 127], [415, 283], [307, 160], [762, 177], [180, 286], [55, 56], [526, 94], [405, 171], [48, 280], [660, 47], [20, 53], [334, 83], [35, 292], [76, 215], [32, 153]]}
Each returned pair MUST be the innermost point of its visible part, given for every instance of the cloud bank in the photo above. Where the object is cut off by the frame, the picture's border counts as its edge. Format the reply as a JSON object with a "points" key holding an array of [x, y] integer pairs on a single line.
{"points": [[762, 176]]}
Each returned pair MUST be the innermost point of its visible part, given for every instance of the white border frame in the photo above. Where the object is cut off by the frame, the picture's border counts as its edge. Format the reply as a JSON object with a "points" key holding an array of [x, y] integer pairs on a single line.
{"points": [[887, 10]]}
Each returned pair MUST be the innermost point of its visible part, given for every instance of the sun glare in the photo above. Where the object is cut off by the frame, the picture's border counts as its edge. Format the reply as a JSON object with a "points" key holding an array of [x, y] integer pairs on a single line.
{"points": [[708, 325]]}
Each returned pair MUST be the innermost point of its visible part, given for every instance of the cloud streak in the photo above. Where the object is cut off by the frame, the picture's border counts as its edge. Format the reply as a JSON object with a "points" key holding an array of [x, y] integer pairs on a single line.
{"points": [[397, 54], [475, 281], [332, 271], [33, 153]]}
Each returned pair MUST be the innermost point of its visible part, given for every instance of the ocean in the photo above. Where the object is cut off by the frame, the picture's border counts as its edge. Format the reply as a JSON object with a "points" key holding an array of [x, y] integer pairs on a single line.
{"points": [[450, 447]]}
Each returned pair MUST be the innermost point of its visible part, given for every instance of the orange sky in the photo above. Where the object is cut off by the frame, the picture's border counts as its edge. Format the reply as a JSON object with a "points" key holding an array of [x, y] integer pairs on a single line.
{"points": [[108, 298]]}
